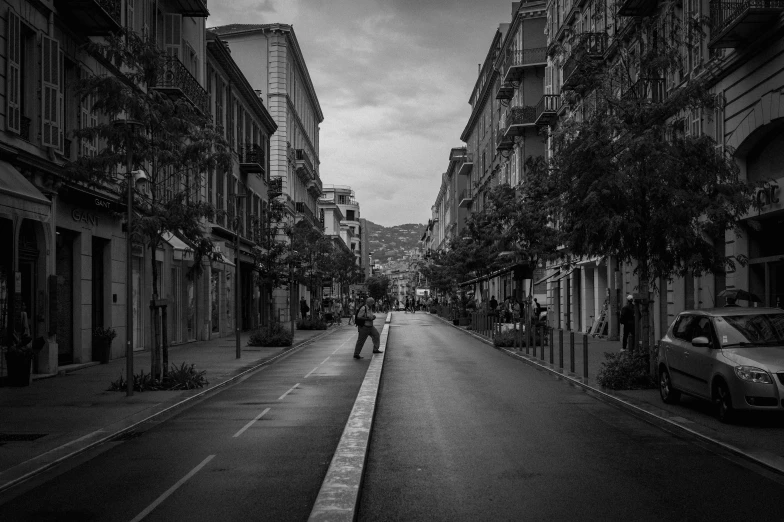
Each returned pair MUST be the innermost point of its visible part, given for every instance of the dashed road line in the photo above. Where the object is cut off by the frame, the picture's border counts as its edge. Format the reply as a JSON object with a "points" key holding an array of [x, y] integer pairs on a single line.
{"points": [[171, 490], [248, 425], [289, 391]]}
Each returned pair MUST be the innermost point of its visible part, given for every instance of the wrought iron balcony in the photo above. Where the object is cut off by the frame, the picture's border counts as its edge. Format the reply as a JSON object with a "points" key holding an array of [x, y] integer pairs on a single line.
{"points": [[547, 109], [252, 160], [518, 60], [467, 165], [303, 163], [590, 47], [275, 188], [518, 119], [196, 8], [502, 141], [93, 17], [736, 23], [173, 77], [505, 91], [465, 198], [636, 7], [305, 213], [646, 89]]}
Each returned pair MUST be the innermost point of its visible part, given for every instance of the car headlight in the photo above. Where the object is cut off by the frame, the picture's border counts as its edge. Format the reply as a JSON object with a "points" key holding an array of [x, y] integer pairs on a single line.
{"points": [[752, 374]]}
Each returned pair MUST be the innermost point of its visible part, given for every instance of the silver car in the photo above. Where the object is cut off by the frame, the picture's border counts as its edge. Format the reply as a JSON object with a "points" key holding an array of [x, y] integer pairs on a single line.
{"points": [[731, 356]]}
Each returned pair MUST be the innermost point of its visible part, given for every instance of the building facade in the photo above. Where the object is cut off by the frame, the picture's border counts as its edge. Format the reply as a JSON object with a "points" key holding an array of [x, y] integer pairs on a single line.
{"points": [[270, 58]]}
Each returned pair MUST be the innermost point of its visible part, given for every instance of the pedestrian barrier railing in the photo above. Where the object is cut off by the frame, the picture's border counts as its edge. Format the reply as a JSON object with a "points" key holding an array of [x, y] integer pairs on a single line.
{"points": [[539, 341]]}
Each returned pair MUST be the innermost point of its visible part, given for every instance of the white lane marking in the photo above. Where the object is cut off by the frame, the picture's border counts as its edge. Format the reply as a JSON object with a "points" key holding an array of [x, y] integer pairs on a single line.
{"points": [[248, 425], [171, 490], [290, 390]]}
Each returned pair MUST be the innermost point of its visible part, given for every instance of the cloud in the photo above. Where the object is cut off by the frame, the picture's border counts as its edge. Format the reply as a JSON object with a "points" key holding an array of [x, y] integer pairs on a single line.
{"points": [[393, 78]]}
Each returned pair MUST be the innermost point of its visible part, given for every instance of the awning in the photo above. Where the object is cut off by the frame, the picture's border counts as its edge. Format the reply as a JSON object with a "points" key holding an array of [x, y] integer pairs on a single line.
{"points": [[542, 280], [598, 260], [562, 276], [19, 194], [181, 249], [220, 258]]}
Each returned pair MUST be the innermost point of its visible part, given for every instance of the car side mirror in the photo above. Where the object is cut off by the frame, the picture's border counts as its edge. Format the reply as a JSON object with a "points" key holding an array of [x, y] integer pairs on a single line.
{"points": [[700, 342]]}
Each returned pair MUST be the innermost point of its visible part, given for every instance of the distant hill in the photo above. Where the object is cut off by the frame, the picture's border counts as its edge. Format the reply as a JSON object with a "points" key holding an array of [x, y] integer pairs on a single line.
{"points": [[390, 244]]}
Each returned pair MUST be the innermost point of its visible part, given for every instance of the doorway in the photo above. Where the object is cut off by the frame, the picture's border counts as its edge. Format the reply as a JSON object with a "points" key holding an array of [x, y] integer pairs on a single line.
{"points": [[64, 255]]}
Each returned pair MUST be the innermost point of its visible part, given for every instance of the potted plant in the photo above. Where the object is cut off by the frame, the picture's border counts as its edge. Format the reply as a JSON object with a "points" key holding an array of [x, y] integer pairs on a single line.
{"points": [[102, 343], [19, 356]]}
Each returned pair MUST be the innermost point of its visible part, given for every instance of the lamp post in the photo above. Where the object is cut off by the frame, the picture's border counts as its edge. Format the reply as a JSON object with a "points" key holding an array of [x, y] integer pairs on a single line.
{"points": [[239, 198]]}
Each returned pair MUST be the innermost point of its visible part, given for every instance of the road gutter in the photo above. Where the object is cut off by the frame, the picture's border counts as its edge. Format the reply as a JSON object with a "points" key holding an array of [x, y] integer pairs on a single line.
{"points": [[771, 463], [338, 497]]}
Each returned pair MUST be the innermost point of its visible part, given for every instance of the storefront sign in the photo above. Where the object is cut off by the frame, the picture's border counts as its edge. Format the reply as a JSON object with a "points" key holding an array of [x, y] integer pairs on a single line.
{"points": [[768, 195], [87, 199], [83, 216]]}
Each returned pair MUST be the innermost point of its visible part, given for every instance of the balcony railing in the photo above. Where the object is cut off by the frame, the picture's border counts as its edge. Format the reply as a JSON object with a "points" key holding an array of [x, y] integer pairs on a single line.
{"points": [[517, 61], [303, 162], [646, 89], [547, 109], [275, 188], [94, 17], [304, 211], [174, 77], [589, 47], [737, 22], [465, 198], [520, 117], [252, 158], [505, 91], [468, 165]]}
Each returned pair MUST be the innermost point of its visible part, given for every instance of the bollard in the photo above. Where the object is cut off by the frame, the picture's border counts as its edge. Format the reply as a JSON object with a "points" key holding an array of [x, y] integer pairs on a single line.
{"points": [[560, 349], [571, 352], [541, 342], [551, 348], [585, 356]]}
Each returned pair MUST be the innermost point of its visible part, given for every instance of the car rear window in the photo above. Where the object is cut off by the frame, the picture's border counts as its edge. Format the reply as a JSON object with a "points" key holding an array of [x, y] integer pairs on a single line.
{"points": [[758, 329]]}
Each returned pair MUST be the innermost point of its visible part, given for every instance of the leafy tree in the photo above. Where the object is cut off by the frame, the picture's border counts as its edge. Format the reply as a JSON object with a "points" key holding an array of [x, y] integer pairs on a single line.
{"points": [[272, 252], [311, 253], [378, 286], [628, 180], [176, 144]]}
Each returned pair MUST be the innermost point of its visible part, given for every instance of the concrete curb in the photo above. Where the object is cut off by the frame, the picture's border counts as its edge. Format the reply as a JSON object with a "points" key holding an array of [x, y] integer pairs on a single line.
{"points": [[772, 463], [339, 494], [31, 468]]}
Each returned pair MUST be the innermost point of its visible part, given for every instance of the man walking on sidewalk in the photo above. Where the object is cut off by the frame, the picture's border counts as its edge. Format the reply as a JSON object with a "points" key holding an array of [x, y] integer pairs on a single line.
{"points": [[627, 321], [365, 328]]}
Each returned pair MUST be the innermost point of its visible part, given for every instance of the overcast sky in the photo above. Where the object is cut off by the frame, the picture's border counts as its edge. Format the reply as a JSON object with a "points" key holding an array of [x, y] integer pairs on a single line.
{"points": [[393, 78]]}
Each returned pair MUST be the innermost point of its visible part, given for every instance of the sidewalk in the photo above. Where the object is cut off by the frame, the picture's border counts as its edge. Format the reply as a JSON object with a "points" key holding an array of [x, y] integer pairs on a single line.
{"points": [[756, 437], [58, 417]]}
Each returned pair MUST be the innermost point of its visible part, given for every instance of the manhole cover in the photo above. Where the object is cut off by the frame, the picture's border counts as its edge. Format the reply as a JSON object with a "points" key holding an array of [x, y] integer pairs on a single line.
{"points": [[20, 437]]}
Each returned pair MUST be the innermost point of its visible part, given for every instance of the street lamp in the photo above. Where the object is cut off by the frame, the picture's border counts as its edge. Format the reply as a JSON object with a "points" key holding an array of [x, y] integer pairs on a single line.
{"points": [[237, 217]]}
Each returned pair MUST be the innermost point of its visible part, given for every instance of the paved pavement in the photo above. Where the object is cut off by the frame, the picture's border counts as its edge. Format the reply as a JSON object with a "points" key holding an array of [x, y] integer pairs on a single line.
{"points": [[60, 417], [755, 437]]}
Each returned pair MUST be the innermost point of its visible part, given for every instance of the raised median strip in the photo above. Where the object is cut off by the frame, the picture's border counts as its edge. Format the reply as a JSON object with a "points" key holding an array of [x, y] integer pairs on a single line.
{"points": [[767, 460], [339, 495]]}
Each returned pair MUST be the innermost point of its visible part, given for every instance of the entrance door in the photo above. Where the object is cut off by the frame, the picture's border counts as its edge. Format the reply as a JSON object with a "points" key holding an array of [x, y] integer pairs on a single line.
{"points": [[64, 270], [98, 283]]}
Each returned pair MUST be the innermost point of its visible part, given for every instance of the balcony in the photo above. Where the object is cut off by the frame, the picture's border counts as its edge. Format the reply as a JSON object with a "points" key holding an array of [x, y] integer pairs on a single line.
{"points": [[517, 61], [314, 187], [646, 89], [590, 48], [518, 119], [636, 7], [275, 188], [304, 212], [93, 17], [547, 109], [505, 91], [467, 166], [252, 160], [196, 8], [502, 141], [733, 24], [174, 78], [465, 198], [303, 164]]}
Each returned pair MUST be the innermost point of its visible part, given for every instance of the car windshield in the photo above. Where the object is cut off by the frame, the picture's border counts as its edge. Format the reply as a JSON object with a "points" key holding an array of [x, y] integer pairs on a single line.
{"points": [[751, 330]]}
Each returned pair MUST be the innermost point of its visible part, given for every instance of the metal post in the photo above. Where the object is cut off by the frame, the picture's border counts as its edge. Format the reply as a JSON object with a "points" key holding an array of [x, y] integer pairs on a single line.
{"points": [[541, 341], [571, 352], [551, 346], [129, 273], [585, 356], [237, 281], [550, 339], [560, 349]]}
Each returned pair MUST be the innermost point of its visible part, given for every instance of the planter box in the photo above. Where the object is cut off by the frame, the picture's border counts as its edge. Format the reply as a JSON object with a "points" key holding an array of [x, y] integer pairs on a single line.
{"points": [[19, 369], [102, 350]]}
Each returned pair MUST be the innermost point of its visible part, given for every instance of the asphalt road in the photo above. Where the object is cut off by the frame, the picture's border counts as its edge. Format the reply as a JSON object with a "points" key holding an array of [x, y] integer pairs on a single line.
{"points": [[464, 432], [257, 451]]}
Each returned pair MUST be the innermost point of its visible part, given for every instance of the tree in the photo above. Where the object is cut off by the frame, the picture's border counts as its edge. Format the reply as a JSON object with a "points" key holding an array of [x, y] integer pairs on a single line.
{"points": [[627, 178], [176, 145], [312, 250], [342, 267], [272, 252], [378, 286]]}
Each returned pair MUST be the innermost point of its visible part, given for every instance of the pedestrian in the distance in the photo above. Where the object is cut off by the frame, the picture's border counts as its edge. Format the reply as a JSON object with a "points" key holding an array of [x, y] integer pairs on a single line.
{"points": [[351, 308], [365, 328], [538, 309], [303, 307], [338, 311], [493, 305], [627, 321]]}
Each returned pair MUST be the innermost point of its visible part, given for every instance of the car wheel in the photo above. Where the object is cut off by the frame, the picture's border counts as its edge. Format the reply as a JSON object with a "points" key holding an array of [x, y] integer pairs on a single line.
{"points": [[668, 394], [723, 402]]}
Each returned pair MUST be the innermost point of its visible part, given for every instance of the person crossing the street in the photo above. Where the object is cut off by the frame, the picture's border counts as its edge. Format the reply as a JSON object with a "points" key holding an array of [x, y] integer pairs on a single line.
{"points": [[365, 328]]}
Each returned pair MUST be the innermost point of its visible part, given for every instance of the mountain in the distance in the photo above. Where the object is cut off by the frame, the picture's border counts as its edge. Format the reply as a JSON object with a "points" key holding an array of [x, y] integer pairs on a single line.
{"points": [[392, 243]]}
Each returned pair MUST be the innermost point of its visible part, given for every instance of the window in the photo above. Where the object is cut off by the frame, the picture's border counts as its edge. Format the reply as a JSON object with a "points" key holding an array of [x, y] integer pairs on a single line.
{"points": [[350, 215], [681, 328], [129, 14], [51, 96], [172, 34], [191, 60], [14, 74]]}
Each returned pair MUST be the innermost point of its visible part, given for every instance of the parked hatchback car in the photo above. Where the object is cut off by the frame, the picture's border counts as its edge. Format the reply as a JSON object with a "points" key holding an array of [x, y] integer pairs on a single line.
{"points": [[731, 356]]}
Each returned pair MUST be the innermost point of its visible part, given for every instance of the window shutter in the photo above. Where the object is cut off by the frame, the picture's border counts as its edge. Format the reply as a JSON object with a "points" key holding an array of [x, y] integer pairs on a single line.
{"points": [[548, 80], [129, 14], [172, 34], [50, 92], [13, 74]]}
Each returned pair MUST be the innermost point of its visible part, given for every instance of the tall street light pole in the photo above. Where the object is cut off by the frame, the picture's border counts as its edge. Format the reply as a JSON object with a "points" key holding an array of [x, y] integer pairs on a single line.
{"points": [[237, 286]]}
